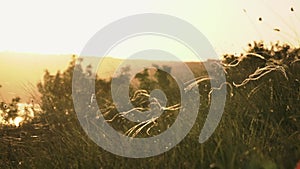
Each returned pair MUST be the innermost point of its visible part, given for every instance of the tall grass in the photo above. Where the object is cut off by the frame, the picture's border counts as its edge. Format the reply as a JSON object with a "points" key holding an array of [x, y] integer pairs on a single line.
{"points": [[259, 128]]}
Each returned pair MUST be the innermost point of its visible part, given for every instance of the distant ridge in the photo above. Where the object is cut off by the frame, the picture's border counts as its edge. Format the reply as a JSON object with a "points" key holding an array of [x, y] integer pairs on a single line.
{"points": [[24, 70]]}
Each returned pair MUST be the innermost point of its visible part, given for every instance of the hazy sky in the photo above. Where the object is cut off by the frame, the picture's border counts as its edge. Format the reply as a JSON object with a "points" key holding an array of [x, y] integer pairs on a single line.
{"points": [[64, 27]]}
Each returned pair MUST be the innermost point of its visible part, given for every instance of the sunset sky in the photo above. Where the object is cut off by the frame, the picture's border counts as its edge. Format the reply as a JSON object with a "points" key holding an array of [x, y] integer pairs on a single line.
{"points": [[64, 27]]}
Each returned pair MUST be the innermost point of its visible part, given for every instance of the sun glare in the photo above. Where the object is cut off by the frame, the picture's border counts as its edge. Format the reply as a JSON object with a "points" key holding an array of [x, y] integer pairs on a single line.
{"points": [[16, 121]]}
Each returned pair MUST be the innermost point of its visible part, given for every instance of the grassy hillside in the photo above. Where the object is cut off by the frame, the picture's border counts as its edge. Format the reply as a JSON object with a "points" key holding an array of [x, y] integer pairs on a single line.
{"points": [[259, 128]]}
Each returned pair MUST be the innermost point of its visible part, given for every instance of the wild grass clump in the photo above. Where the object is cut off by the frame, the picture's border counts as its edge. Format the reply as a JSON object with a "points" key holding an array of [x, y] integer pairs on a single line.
{"points": [[259, 127]]}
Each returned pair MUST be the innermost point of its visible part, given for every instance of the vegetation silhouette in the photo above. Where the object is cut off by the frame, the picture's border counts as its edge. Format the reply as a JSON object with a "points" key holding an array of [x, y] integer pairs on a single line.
{"points": [[259, 128]]}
